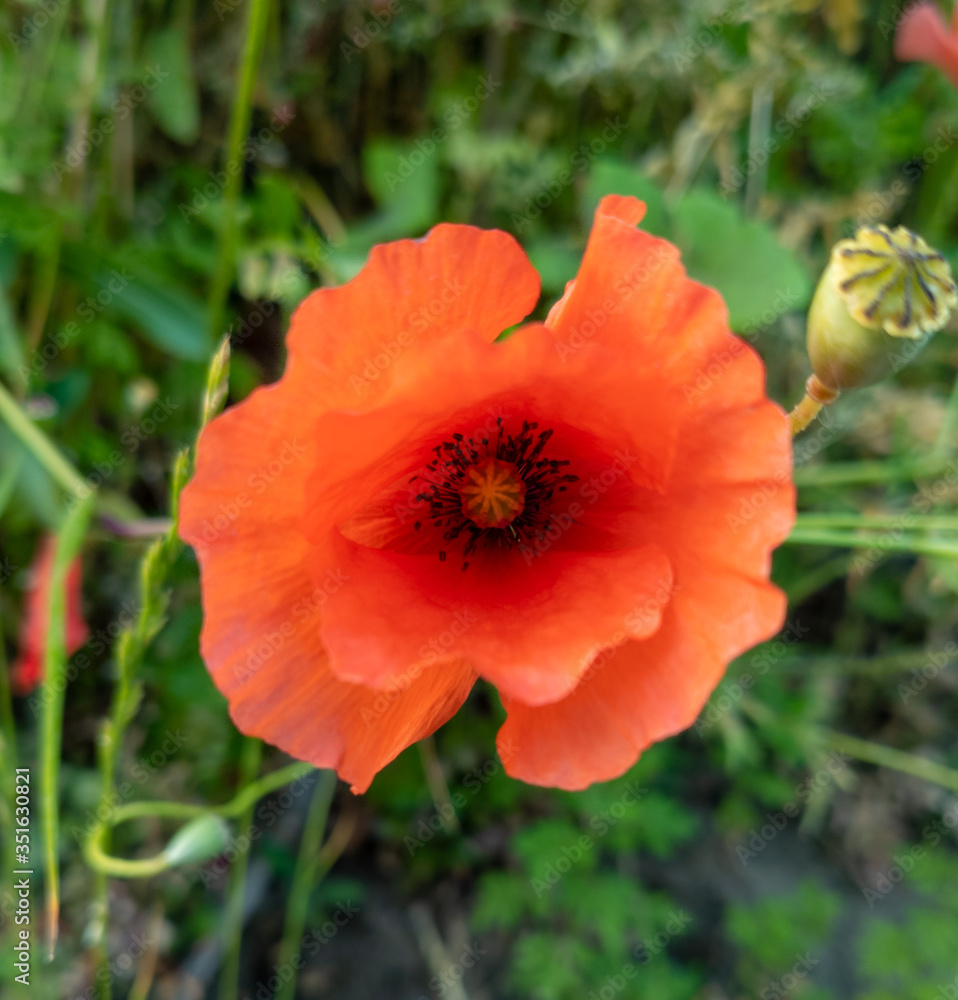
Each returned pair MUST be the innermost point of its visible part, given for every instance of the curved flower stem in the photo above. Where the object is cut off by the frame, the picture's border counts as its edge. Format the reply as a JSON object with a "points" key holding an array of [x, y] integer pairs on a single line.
{"points": [[306, 877], [884, 542], [68, 544], [121, 867], [256, 22], [251, 757], [95, 848], [42, 447], [252, 793], [816, 396]]}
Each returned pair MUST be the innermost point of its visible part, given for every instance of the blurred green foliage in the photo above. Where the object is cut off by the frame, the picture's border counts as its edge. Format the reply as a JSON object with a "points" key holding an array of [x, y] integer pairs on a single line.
{"points": [[758, 133]]}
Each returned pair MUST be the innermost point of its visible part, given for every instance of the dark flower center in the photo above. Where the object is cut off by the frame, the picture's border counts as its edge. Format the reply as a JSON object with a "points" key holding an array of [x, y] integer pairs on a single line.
{"points": [[493, 494], [495, 491]]}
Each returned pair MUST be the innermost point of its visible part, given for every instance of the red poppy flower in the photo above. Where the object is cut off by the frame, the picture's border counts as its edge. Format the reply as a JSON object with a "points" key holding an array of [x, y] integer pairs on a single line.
{"points": [[582, 513], [27, 671], [923, 36]]}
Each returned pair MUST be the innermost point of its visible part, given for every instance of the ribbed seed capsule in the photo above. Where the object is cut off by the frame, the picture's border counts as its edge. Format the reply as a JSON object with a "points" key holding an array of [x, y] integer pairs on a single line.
{"points": [[880, 288]]}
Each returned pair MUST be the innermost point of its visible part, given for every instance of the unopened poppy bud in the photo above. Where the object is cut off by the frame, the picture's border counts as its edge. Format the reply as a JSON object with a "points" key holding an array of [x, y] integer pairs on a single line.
{"points": [[880, 288], [201, 839]]}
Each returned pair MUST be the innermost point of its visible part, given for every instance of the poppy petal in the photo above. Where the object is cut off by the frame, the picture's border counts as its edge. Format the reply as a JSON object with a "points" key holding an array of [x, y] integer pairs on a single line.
{"points": [[27, 670], [534, 641], [266, 656], [638, 694], [923, 36], [335, 624], [356, 339]]}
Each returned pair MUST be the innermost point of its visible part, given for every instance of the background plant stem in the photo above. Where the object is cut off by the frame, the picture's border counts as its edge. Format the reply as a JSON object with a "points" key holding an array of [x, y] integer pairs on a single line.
{"points": [[250, 759], [886, 542], [41, 446], [69, 542], [256, 22], [8, 754], [306, 877]]}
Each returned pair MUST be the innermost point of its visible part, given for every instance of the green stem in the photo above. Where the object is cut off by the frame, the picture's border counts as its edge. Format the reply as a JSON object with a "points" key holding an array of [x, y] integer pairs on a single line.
{"points": [[250, 760], [130, 647], [68, 544], [885, 543], [241, 801], [252, 793], [42, 447], [436, 780], [947, 439], [931, 522], [8, 477], [8, 754], [8, 730], [864, 750], [305, 878], [868, 473], [869, 666], [897, 760], [47, 268], [95, 849], [256, 22]]}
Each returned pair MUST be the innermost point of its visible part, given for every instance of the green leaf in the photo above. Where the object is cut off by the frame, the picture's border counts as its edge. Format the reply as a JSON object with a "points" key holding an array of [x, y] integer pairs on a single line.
{"points": [[168, 319], [758, 278], [173, 100], [554, 846], [556, 261], [125, 286], [502, 902], [550, 967], [774, 929]]}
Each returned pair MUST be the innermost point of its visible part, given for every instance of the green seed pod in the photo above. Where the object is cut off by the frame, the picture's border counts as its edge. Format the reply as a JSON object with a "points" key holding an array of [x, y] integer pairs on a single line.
{"points": [[880, 290]]}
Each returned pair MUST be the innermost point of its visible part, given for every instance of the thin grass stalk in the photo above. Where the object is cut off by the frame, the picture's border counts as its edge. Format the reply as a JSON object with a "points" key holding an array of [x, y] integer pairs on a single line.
{"points": [[43, 449], [884, 542], [8, 754], [256, 23], [250, 758], [870, 473], [68, 544], [305, 878]]}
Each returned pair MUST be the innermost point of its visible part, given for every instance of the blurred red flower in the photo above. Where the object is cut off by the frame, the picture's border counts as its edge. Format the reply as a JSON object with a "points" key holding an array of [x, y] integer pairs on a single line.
{"points": [[27, 671], [582, 513], [923, 36]]}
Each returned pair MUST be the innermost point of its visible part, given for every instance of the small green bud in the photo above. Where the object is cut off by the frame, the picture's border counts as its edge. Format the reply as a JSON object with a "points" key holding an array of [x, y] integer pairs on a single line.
{"points": [[879, 289], [201, 839], [217, 382]]}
